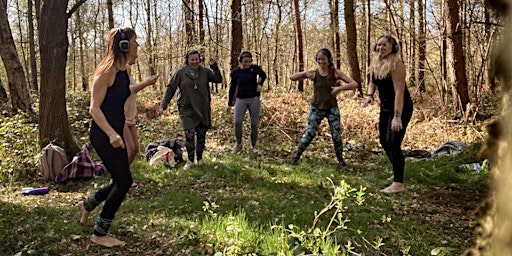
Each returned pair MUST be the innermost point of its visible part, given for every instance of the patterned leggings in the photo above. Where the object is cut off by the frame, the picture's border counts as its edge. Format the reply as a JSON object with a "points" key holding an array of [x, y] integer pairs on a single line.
{"points": [[315, 118], [193, 146]]}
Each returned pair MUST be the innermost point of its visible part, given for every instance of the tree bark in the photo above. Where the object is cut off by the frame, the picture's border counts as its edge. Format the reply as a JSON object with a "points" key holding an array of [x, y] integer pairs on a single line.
{"points": [[3, 93], [53, 44], [110, 14], [422, 46], [18, 89], [201, 21], [350, 22], [236, 32], [335, 27], [32, 47], [457, 60], [189, 21], [299, 42]]}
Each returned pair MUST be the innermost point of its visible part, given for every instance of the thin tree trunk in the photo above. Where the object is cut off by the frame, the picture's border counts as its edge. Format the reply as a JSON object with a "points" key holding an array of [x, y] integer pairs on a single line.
{"points": [[412, 44], [189, 21], [149, 38], [80, 29], [17, 81], [236, 32], [335, 30], [457, 60], [32, 46], [110, 14], [350, 22], [201, 22], [300, 44], [275, 63], [369, 50], [422, 46]]}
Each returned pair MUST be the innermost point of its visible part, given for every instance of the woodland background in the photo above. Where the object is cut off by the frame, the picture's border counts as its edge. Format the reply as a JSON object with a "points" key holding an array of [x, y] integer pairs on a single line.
{"points": [[50, 48]]}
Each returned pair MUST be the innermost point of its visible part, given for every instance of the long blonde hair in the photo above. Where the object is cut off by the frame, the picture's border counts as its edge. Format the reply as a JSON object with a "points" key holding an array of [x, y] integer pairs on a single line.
{"points": [[381, 68], [114, 53]]}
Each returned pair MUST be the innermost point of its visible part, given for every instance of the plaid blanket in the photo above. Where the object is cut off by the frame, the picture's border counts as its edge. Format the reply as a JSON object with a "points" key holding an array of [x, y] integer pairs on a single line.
{"points": [[82, 166]]}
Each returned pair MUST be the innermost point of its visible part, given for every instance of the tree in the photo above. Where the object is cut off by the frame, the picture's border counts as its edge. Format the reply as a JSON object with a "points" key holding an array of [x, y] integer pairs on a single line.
{"points": [[189, 21], [18, 89], [350, 22], [457, 60], [335, 28], [299, 42], [236, 32], [32, 47], [422, 46], [53, 44]]}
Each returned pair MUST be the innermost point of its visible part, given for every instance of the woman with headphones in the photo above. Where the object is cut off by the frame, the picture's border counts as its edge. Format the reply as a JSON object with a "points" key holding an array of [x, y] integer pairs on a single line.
{"points": [[387, 72], [324, 103], [111, 87], [244, 93], [193, 102]]}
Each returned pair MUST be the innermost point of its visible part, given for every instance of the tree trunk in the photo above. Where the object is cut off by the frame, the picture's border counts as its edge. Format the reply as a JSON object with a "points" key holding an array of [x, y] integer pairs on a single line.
{"points": [[275, 63], [457, 60], [201, 21], [189, 21], [149, 38], [32, 46], [110, 14], [53, 117], [412, 44], [17, 81], [335, 29], [236, 32], [369, 50], [422, 46], [3, 93], [299, 42], [350, 22]]}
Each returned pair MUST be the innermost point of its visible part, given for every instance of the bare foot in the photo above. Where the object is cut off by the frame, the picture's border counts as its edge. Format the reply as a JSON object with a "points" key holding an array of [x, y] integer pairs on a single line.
{"points": [[395, 187], [107, 241], [85, 214]]}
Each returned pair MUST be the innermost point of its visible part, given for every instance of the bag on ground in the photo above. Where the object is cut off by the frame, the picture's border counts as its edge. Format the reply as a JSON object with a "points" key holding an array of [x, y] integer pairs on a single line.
{"points": [[53, 159]]}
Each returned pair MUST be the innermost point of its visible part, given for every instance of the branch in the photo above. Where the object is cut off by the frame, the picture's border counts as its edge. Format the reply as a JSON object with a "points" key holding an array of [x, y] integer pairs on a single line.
{"points": [[75, 7]]}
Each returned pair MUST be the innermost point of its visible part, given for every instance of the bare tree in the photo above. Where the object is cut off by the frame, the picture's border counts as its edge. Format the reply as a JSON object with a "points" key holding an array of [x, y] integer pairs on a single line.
{"points": [[53, 116], [32, 47], [299, 42], [422, 46], [189, 21], [236, 32], [18, 89], [201, 21], [457, 60], [110, 14], [3, 93], [335, 28], [350, 22]]}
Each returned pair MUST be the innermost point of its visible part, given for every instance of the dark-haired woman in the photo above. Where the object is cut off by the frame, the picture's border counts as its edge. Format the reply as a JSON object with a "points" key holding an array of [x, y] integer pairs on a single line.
{"points": [[244, 93], [388, 77], [324, 103], [193, 102]]}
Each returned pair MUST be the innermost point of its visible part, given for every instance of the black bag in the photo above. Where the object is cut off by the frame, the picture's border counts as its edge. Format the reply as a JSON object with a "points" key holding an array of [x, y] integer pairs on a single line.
{"points": [[173, 144]]}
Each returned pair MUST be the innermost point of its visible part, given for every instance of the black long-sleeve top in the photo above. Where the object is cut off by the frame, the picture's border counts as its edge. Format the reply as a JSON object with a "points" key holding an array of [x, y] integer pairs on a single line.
{"points": [[244, 83]]}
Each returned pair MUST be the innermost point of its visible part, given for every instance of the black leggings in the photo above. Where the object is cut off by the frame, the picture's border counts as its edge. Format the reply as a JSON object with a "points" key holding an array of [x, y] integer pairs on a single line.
{"points": [[391, 141], [116, 163]]}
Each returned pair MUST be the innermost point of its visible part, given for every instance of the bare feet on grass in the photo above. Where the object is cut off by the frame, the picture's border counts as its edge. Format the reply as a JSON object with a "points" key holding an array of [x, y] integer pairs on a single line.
{"points": [[395, 187], [107, 241], [85, 214]]}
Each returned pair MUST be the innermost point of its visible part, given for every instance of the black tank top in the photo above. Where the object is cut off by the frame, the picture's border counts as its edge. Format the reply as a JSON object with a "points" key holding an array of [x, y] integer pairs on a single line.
{"points": [[113, 104], [387, 94]]}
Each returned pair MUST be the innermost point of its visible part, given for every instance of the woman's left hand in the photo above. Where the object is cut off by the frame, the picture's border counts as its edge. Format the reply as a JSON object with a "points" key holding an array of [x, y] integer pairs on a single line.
{"points": [[212, 61], [396, 124], [335, 90]]}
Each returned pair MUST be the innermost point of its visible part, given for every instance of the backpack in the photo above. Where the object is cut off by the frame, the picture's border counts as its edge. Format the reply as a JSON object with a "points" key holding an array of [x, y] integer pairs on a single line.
{"points": [[53, 159], [173, 144]]}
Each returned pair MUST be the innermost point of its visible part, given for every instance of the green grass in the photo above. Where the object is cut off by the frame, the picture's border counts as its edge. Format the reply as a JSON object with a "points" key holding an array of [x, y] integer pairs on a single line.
{"points": [[243, 204]]}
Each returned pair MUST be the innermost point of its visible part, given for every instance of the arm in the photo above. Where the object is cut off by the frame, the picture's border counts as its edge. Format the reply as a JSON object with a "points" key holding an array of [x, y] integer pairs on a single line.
{"points": [[371, 91], [232, 90], [99, 90], [217, 76], [398, 76], [351, 83], [303, 75], [172, 86], [135, 88]]}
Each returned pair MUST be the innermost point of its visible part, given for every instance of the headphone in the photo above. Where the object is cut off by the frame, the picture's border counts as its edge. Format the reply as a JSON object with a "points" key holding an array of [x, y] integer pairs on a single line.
{"points": [[395, 46], [192, 52], [244, 54], [124, 44], [324, 51]]}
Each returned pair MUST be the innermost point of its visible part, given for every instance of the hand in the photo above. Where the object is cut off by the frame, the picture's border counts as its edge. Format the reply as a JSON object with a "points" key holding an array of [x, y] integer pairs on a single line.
{"points": [[151, 80], [212, 61], [228, 109], [368, 100], [116, 141], [335, 90], [396, 124], [259, 87]]}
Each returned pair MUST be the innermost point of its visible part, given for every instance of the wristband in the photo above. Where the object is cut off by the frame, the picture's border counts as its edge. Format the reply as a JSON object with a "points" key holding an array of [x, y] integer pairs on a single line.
{"points": [[370, 95]]}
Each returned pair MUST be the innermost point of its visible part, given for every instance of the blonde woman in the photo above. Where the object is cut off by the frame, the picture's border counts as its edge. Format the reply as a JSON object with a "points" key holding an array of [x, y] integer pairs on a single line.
{"points": [[387, 72]]}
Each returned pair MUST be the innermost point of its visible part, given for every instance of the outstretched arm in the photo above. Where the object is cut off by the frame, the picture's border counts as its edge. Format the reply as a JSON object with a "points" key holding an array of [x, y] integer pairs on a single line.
{"points": [[303, 75]]}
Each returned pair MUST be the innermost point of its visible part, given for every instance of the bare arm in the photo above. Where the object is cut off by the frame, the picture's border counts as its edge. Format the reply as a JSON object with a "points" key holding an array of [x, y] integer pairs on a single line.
{"points": [[99, 90], [371, 91], [303, 75], [351, 83], [398, 76]]}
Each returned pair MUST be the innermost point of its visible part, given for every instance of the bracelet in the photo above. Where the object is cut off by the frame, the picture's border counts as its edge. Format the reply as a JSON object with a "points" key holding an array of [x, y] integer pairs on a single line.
{"points": [[370, 95]]}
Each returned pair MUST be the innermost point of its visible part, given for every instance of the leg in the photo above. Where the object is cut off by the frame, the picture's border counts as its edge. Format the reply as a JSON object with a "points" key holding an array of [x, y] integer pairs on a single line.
{"points": [[334, 119], [314, 119], [190, 143], [201, 130], [254, 113], [131, 141], [238, 118]]}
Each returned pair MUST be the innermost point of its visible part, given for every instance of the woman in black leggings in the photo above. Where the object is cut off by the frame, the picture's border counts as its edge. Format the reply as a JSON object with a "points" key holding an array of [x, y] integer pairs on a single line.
{"points": [[388, 76], [111, 88]]}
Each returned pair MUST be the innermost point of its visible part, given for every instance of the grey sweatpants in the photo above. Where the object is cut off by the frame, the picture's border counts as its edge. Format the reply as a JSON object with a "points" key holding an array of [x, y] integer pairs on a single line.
{"points": [[241, 106]]}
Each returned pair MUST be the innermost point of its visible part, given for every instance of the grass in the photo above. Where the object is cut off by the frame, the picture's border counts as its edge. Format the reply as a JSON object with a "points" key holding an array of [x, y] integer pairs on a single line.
{"points": [[245, 204]]}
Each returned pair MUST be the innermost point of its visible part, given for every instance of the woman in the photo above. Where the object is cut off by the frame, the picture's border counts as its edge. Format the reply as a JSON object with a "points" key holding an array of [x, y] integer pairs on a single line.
{"points": [[388, 76], [193, 102], [324, 103], [131, 138], [111, 88], [246, 82]]}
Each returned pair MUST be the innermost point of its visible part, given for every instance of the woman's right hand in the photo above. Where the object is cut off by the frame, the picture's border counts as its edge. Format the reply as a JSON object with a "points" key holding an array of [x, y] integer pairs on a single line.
{"points": [[116, 141], [368, 100]]}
